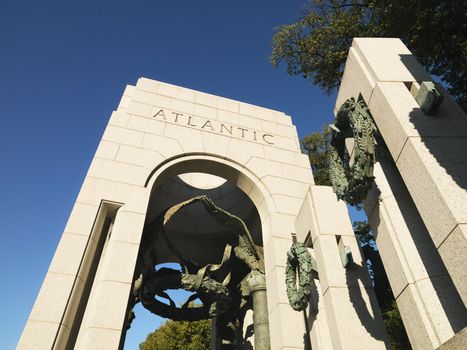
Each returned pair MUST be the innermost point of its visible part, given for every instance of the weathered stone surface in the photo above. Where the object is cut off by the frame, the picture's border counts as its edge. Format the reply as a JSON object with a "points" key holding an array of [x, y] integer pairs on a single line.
{"points": [[40, 335], [451, 252], [435, 178], [398, 117], [142, 152], [356, 80], [69, 253], [389, 59], [324, 233], [289, 333], [107, 150], [52, 298], [457, 342], [324, 202], [426, 150], [355, 308]]}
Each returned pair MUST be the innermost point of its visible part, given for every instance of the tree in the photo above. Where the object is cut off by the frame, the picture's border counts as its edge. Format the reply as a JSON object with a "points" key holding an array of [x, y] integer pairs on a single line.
{"points": [[317, 146], [435, 31], [396, 331], [179, 335]]}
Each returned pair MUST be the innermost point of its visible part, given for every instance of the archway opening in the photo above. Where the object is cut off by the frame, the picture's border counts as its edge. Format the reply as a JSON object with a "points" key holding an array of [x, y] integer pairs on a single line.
{"points": [[195, 234], [193, 230]]}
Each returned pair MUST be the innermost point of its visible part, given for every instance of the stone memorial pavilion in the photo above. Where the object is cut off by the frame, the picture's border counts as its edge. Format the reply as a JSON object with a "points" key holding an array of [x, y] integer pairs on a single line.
{"points": [[222, 188]]}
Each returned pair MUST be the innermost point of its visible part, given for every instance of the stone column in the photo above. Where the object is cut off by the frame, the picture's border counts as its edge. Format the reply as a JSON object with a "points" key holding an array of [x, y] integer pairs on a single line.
{"points": [[106, 311], [52, 321], [428, 150], [428, 302], [257, 284], [350, 308]]}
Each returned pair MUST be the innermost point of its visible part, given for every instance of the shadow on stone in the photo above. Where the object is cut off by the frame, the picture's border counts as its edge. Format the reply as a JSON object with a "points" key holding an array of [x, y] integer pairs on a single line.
{"points": [[442, 283], [445, 133], [372, 324], [312, 310], [445, 137]]}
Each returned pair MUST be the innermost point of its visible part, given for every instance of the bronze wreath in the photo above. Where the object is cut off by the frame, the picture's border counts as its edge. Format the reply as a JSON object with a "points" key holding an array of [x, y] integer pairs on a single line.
{"points": [[352, 120], [299, 261]]}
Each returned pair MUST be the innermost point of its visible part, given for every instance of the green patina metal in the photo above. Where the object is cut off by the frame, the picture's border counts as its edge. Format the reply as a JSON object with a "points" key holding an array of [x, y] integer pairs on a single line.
{"points": [[226, 296], [346, 257], [429, 98], [301, 263], [351, 183]]}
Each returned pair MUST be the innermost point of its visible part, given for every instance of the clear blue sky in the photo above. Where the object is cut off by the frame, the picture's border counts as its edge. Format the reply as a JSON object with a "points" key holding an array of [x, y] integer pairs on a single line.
{"points": [[63, 68]]}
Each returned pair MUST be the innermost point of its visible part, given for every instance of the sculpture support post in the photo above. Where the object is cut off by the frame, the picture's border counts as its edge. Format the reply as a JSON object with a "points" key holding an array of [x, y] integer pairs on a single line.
{"points": [[257, 284]]}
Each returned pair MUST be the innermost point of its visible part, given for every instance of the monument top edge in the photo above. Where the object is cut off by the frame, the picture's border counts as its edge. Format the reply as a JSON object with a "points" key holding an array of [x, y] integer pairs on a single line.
{"points": [[153, 85]]}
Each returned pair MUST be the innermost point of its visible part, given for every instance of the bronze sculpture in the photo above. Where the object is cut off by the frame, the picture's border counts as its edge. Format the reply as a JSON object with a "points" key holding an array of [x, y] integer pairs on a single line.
{"points": [[224, 296], [351, 183]]}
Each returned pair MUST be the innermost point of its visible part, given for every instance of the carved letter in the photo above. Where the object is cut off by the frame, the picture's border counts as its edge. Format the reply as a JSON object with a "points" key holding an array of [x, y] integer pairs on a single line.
{"points": [[226, 129], [208, 123], [254, 135], [268, 135], [176, 116], [243, 131], [161, 113], [189, 121]]}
